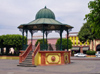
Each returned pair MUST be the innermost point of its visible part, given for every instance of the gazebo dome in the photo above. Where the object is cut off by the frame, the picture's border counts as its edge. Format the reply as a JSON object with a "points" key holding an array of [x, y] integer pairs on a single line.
{"points": [[45, 13]]}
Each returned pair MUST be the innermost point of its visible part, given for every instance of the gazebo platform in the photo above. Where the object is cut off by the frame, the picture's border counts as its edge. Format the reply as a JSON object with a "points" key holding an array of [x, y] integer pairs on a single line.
{"points": [[43, 58]]}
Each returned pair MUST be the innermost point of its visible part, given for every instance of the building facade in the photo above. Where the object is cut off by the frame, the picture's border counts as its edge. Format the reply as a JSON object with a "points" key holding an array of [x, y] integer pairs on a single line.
{"points": [[83, 47], [78, 47]]}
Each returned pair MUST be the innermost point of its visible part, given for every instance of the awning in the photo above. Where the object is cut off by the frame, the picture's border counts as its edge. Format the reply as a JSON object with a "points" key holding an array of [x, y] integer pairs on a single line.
{"points": [[75, 48], [85, 48]]}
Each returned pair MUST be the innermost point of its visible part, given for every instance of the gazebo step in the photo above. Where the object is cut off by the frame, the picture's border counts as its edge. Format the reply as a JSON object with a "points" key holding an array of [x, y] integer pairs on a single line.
{"points": [[28, 61], [26, 65]]}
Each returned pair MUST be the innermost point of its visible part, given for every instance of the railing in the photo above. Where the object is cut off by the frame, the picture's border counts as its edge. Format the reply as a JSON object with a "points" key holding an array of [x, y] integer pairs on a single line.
{"points": [[52, 47], [35, 52], [24, 55]]}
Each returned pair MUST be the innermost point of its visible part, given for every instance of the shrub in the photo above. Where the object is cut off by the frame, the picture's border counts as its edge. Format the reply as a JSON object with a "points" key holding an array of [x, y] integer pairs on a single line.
{"points": [[90, 52], [41, 43], [64, 44]]}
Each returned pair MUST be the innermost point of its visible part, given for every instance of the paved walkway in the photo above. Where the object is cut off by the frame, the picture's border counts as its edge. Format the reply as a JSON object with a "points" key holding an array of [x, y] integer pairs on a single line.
{"points": [[76, 67], [85, 58]]}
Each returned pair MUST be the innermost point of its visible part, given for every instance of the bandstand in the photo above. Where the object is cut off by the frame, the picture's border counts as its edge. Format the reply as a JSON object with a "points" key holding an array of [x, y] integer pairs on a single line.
{"points": [[45, 22]]}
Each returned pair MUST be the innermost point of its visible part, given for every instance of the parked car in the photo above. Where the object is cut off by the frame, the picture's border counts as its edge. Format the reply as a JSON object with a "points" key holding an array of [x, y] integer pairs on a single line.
{"points": [[80, 55], [97, 54]]}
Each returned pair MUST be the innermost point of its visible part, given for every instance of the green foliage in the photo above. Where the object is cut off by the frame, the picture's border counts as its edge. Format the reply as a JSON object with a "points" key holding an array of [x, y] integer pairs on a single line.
{"points": [[73, 52], [12, 41], [1, 41], [86, 33], [41, 43], [94, 17], [90, 52], [64, 43]]}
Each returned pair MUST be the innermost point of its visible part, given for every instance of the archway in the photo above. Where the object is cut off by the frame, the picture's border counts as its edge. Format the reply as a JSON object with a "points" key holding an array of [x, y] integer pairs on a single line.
{"points": [[98, 48]]}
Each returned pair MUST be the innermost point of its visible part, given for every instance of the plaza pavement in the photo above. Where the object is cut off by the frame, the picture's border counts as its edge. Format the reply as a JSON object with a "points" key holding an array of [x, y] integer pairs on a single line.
{"points": [[76, 67], [85, 58]]}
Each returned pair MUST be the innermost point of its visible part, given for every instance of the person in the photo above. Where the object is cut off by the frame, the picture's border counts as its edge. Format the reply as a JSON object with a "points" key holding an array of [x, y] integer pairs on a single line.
{"points": [[4, 50], [11, 50]]}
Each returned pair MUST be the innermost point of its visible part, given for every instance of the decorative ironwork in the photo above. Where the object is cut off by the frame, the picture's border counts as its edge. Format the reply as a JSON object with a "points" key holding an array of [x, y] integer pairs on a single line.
{"points": [[58, 31], [21, 29], [33, 31], [69, 30], [47, 32]]}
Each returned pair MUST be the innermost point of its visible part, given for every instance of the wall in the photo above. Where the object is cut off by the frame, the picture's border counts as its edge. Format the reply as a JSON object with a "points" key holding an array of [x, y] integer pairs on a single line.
{"points": [[50, 41], [53, 58], [76, 42]]}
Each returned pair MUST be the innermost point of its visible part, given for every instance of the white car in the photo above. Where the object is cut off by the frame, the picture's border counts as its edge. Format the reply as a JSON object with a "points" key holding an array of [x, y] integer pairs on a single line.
{"points": [[98, 54], [80, 55]]}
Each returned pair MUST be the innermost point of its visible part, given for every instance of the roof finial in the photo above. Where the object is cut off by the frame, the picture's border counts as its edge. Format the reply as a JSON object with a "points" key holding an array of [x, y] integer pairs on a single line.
{"points": [[45, 7]]}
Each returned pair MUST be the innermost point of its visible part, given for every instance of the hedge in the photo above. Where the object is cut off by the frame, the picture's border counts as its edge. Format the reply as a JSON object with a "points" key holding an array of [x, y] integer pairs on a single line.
{"points": [[90, 52]]}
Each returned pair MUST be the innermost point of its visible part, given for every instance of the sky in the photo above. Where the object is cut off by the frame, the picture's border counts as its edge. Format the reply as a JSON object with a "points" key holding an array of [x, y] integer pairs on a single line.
{"points": [[16, 12]]}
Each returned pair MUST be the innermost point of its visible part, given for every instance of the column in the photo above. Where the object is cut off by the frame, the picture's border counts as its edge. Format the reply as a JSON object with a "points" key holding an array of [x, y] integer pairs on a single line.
{"points": [[31, 31], [23, 39], [61, 30], [81, 49], [43, 37], [67, 39], [46, 41], [26, 35]]}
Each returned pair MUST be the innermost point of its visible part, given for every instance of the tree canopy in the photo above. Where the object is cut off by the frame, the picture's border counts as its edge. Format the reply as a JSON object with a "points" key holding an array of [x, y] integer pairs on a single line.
{"points": [[41, 42], [64, 43], [12, 41], [86, 33], [9, 41], [94, 17]]}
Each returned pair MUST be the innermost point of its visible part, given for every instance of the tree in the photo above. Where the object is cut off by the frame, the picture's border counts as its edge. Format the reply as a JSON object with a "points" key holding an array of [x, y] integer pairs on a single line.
{"points": [[41, 43], [64, 44], [94, 17], [86, 33], [1, 41], [14, 41]]}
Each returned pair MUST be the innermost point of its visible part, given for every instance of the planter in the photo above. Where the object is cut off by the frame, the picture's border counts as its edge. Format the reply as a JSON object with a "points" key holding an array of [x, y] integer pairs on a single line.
{"points": [[90, 56]]}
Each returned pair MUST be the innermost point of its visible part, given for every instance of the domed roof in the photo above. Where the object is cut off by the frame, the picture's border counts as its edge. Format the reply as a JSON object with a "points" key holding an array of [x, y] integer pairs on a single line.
{"points": [[45, 13]]}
